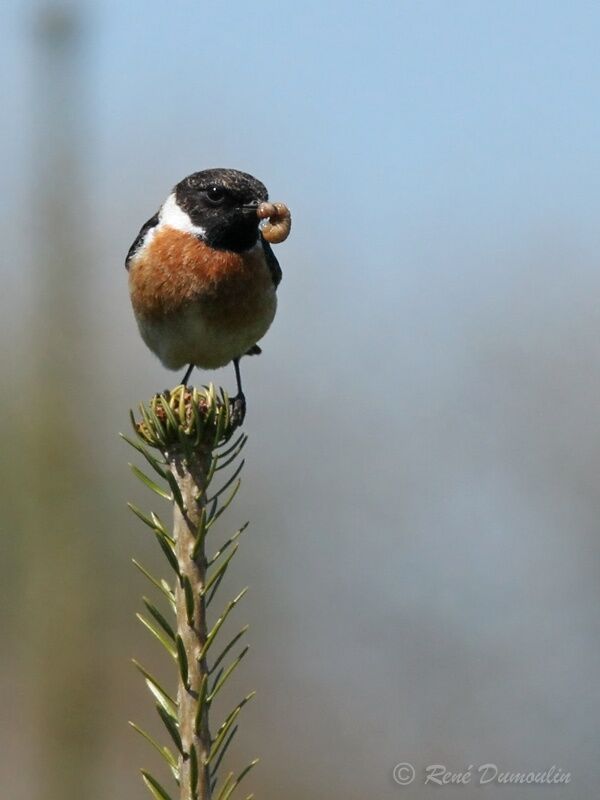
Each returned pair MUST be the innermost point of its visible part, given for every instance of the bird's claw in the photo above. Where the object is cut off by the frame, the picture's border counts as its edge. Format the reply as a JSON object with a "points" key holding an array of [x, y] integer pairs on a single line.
{"points": [[237, 407]]}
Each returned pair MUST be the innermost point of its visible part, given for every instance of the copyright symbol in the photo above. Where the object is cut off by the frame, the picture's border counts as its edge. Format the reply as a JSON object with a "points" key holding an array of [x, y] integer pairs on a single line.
{"points": [[404, 773]]}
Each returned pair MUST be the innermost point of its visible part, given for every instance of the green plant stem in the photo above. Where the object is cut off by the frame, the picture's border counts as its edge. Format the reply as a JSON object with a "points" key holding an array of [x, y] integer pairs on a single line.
{"points": [[192, 429], [190, 472]]}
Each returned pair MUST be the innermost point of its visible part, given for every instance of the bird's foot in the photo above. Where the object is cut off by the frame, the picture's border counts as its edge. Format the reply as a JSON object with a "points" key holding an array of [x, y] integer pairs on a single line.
{"points": [[237, 407]]}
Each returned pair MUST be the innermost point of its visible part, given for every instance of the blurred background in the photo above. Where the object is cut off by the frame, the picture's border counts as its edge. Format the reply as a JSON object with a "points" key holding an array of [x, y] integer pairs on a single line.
{"points": [[424, 457]]}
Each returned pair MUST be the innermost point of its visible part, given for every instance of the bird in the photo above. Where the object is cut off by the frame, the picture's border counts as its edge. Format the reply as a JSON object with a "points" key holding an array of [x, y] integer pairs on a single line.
{"points": [[202, 274]]}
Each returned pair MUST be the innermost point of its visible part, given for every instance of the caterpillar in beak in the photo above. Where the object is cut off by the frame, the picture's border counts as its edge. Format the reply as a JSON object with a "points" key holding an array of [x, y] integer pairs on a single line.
{"points": [[277, 221]]}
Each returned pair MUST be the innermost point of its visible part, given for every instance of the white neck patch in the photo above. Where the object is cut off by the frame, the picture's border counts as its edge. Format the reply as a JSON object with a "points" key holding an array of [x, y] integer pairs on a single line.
{"points": [[171, 216]]}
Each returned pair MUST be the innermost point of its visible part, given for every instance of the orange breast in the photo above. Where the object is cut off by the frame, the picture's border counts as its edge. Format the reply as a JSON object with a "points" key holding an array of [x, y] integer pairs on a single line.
{"points": [[176, 270]]}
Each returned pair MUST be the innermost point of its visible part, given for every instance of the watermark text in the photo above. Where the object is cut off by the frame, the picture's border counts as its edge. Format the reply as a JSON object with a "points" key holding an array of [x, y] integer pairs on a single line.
{"points": [[405, 773]]}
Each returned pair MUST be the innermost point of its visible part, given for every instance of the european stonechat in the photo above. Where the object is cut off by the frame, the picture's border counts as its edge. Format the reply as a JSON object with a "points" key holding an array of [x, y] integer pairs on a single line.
{"points": [[202, 274]]}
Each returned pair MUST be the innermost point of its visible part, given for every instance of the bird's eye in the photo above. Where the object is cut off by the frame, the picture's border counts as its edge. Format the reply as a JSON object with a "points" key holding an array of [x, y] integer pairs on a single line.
{"points": [[215, 195]]}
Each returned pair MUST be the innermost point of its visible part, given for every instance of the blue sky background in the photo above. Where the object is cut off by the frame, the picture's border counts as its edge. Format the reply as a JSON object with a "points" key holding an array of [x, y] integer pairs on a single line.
{"points": [[424, 439]]}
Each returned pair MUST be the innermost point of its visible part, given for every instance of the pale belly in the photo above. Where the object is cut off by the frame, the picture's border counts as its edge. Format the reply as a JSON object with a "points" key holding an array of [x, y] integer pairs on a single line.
{"points": [[191, 336]]}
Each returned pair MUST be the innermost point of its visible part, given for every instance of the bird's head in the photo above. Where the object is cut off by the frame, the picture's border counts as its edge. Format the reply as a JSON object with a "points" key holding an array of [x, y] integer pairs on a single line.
{"points": [[222, 205]]}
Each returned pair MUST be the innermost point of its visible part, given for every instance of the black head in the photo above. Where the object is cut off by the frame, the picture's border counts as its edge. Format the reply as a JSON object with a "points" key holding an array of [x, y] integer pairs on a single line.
{"points": [[223, 202]]}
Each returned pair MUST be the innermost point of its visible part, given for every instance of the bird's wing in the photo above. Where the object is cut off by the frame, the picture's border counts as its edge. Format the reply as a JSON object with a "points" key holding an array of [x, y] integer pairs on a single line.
{"points": [[152, 223], [272, 263]]}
